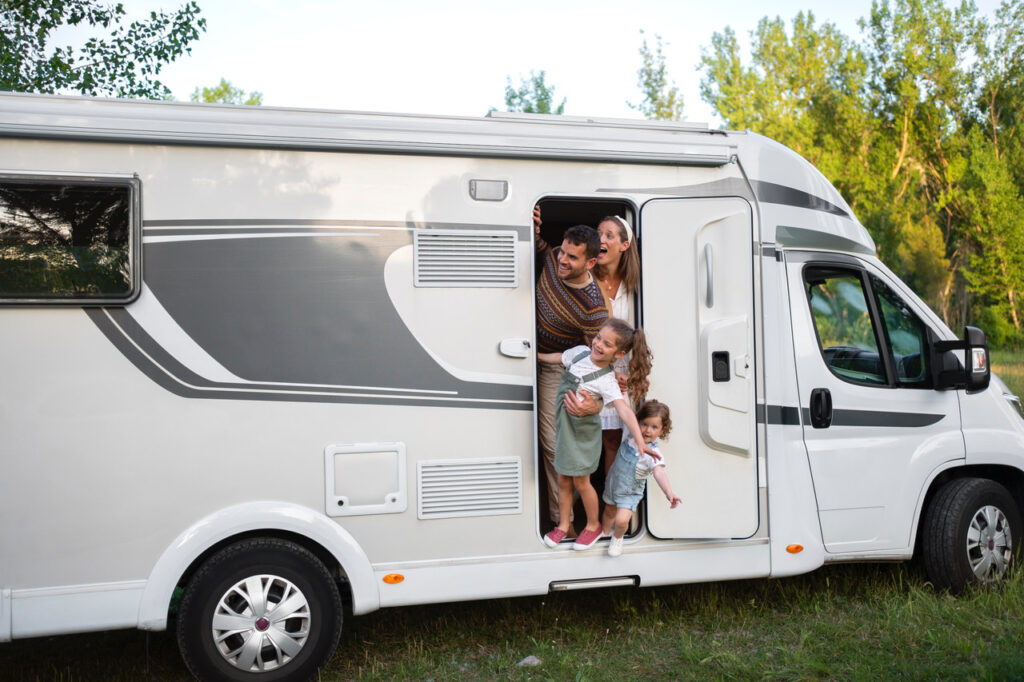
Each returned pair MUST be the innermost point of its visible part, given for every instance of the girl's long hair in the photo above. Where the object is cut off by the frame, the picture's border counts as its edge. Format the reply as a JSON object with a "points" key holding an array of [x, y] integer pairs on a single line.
{"points": [[640, 362], [629, 263]]}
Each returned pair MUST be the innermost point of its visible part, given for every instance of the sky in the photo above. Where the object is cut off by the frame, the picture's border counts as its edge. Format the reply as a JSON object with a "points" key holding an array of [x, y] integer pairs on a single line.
{"points": [[454, 56]]}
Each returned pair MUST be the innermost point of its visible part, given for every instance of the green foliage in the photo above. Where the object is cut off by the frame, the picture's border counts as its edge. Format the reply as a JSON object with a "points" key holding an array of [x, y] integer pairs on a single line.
{"points": [[117, 60], [918, 125], [662, 101], [226, 93], [533, 96]]}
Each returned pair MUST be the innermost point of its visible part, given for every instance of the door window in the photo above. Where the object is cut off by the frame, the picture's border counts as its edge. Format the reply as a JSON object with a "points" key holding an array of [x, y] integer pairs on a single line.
{"points": [[867, 334]]}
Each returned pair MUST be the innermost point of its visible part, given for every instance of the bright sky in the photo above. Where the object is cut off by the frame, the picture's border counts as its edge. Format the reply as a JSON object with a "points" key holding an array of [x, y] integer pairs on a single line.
{"points": [[453, 56]]}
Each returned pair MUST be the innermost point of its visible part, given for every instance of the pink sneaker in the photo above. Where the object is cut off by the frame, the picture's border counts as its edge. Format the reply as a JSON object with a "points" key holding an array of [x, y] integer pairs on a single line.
{"points": [[554, 537], [586, 539]]}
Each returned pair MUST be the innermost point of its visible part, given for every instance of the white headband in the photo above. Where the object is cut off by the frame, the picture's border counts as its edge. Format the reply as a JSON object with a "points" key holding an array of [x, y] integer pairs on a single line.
{"points": [[625, 225]]}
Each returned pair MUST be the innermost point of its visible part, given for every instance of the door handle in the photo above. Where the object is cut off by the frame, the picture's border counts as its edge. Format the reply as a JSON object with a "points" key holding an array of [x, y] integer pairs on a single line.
{"points": [[514, 348], [821, 408]]}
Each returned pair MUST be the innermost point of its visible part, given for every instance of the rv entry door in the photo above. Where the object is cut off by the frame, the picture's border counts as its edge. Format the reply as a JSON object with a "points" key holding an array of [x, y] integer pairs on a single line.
{"points": [[698, 299]]}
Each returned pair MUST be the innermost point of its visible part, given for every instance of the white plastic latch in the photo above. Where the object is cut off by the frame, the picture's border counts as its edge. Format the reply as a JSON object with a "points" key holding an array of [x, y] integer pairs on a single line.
{"points": [[515, 348]]}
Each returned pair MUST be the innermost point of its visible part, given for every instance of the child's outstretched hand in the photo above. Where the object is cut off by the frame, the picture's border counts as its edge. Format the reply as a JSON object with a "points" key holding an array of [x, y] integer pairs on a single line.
{"points": [[652, 452], [674, 501]]}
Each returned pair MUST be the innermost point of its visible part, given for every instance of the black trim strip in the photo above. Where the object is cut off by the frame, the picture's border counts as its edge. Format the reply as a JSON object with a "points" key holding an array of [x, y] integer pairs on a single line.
{"points": [[782, 415]]}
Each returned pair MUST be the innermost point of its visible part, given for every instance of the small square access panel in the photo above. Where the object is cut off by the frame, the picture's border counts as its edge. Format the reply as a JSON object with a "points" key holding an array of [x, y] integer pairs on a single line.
{"points": [[365, 478]]}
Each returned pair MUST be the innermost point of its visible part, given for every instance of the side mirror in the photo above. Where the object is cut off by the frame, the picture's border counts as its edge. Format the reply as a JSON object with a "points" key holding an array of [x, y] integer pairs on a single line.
{"points": [[971, 372]]}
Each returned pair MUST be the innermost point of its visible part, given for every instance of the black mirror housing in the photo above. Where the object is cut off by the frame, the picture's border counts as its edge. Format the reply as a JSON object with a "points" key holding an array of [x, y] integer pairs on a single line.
{"points": [[970, 371]]}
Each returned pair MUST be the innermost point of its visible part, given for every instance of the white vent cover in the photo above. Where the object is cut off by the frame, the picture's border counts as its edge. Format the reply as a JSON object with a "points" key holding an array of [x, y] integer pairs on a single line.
{"points": [[470, 487], [465, 258]]}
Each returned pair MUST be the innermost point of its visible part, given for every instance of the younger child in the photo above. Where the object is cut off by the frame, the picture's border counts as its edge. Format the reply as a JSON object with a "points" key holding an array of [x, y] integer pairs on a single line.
{"points": [[578, 439], [627, 479]]}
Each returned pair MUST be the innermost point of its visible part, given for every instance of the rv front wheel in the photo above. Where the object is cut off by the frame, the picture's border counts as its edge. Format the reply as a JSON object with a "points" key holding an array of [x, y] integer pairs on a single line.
{"points": [[262, 609], [971, 534]]}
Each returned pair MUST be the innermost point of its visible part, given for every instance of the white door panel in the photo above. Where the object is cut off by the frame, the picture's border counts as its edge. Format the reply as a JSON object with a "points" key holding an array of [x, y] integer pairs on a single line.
{"points": [[887, 430], [698, 302]]}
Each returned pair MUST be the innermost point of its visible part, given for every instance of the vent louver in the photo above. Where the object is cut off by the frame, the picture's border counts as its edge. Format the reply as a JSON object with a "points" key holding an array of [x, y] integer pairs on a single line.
{"points": [[477, 487], [465, 259]]}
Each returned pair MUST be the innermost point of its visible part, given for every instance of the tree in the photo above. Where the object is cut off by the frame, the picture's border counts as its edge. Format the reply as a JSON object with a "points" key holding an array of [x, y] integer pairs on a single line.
{"points": [[661, 101], [226, 93], [918, 125], [117, 60], [534, 96]]}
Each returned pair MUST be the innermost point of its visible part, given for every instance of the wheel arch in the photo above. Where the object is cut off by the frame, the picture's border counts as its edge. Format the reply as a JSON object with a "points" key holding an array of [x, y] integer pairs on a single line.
{"points": [[331, 543], [1009, 477]]}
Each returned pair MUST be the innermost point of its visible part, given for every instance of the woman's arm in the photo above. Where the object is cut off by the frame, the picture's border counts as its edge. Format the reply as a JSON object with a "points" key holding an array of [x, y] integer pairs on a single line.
{"points": [[550, 358], [662, 478]]}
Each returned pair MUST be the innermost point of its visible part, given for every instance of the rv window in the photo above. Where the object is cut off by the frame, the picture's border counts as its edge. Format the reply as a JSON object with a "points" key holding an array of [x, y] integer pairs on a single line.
{"points": [[67, 241], [846, 334]]}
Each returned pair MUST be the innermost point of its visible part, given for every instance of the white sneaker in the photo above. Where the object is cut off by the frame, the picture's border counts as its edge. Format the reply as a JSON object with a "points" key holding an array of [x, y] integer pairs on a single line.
{"points": [[615, 546]]}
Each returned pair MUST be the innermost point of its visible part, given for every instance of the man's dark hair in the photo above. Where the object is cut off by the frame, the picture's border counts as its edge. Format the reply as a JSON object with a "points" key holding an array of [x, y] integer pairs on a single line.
{"points": [[586, 235]]}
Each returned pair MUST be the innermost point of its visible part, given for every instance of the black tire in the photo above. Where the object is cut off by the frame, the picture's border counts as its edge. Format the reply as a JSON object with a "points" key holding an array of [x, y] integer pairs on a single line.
{"points": [[971, 534], [286, 574]]}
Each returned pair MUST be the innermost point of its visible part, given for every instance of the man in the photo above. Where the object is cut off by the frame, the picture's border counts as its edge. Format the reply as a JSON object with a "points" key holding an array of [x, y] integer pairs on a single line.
{"points": [[570, 311]]}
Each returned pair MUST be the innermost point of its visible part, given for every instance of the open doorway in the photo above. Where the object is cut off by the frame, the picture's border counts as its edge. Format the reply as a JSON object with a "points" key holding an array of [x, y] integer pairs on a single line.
{"points": [[558, 214]]}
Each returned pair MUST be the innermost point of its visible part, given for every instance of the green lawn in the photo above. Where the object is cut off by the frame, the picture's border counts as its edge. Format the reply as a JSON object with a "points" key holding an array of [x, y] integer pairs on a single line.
{"points": [[1009, 365], [878, 621]]}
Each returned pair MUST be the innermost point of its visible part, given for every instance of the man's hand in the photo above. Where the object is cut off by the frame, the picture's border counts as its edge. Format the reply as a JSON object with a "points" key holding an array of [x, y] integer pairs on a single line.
{"points": [[581, 407]]}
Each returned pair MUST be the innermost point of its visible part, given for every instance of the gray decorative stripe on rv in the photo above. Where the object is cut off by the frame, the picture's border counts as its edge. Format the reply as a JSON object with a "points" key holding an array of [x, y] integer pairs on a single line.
{"points": [[294, 319], [275, 225], [768, 192]]}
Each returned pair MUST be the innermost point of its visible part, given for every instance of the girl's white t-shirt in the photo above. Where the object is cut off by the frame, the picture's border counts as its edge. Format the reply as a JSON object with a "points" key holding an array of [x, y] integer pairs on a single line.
{"points": [[604, 387]]}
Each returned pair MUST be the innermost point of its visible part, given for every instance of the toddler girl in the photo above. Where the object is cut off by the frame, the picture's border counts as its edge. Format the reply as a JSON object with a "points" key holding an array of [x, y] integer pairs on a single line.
{"points": [[578, 439], [627, 479]]}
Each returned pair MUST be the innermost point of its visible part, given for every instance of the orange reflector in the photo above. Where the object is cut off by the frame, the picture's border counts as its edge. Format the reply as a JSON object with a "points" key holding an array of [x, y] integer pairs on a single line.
{"points": [[394, 578], [792, 549]]}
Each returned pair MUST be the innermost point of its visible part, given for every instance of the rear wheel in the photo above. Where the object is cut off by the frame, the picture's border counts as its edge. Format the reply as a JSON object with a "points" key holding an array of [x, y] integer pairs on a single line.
{"points": [[262, 609], [971, 534]]}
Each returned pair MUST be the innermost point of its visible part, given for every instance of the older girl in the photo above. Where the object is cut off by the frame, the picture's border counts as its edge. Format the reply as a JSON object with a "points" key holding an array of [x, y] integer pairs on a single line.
{"points": [[578, 439]]}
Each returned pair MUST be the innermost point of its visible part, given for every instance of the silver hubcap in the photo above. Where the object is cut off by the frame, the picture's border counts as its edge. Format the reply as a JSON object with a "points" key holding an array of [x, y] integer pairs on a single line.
{"points": [[989, 544], [261, 623]]}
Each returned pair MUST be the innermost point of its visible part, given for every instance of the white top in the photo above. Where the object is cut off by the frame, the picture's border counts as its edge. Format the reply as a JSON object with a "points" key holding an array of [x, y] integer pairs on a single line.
{"points": [[622, 309], [645, 463], [604, 387]]}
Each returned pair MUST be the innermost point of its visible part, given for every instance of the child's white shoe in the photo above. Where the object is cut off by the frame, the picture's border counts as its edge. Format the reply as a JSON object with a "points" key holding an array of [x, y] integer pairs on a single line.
{"points": [[615, 546]]}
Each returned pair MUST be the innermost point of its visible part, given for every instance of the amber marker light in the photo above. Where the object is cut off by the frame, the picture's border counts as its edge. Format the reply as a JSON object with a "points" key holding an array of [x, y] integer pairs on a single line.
{"points": [[394, 578], [792, 549]]}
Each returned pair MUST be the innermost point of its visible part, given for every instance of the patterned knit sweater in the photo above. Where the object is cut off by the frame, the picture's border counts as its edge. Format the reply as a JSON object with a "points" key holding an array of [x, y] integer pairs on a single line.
{"points": [[565, 314]]}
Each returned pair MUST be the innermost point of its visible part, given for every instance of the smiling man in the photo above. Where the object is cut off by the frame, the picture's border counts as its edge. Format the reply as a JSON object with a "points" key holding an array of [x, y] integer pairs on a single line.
{"points": [[570, 311]]}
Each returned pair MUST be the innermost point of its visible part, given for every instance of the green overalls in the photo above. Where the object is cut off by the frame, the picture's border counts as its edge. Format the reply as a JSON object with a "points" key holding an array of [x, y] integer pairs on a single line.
{"points": [[577, 439]]}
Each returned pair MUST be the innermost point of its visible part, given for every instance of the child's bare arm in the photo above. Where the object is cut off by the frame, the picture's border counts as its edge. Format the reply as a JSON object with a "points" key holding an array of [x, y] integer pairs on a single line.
{"points": [[631, 424], [662, 479], [550, 358]]}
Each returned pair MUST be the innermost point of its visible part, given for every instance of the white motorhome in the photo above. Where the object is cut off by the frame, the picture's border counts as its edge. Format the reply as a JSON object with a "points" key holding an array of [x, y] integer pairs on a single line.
{"points": [[256, 363]]}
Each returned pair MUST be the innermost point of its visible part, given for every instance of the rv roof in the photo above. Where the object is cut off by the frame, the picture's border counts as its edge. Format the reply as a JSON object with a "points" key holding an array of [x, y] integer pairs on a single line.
{"points": [[601, 121], [502, 135]]}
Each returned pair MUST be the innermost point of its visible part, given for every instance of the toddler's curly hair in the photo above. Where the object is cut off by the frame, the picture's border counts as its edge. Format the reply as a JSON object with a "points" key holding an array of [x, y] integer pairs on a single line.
{"points": [[654, 408]]}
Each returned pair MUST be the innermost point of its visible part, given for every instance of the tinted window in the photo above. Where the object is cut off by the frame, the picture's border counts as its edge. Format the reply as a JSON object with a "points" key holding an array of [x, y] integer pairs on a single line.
{"points": [[849, 341], [906, 334], [66, 241]]}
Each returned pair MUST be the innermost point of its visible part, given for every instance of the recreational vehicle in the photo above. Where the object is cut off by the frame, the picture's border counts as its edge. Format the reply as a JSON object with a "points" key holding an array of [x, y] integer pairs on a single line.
{"points": [[263, 367]]}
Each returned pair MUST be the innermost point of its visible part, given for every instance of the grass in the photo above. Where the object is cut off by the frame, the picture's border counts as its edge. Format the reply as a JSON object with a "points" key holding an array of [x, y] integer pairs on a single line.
{"points": [[841, 622], [1009, 365]]}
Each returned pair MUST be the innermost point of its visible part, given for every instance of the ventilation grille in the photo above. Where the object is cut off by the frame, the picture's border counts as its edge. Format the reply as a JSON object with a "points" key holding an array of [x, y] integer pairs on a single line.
{"points": [[466, 259], [476, 487]]}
